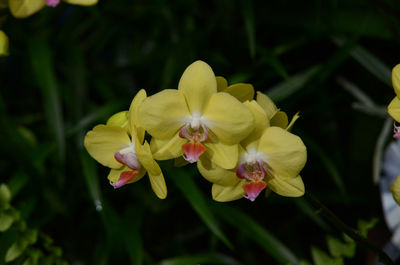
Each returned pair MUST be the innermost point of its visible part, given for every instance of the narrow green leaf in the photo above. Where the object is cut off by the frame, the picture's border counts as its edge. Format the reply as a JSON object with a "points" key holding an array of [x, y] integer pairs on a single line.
{"points": [[321, 258], [208, 258], [5, 196], [186, 185], [293, 84], [17, 182], [338, 248], [133, 239], [370, 62], [42, 64], [308, 210], [248, 16], [89, 171], [255, 232]]}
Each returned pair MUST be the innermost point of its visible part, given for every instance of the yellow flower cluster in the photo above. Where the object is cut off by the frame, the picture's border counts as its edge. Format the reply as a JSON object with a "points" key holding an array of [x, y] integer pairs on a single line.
{"points": [[241, 145], [394, 111]]}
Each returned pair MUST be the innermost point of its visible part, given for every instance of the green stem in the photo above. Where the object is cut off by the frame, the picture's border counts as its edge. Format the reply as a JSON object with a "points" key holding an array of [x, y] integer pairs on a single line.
{"points": [[328, 214]]}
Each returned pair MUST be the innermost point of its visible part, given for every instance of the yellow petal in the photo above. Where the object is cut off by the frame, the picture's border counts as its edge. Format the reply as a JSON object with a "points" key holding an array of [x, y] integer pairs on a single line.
{"points": [[290, 188], [198, 84], [163, 114], [394, 109], [280, 119], [114, 174], [82, 2], [103, 141], [228, 119], [167, 148], [134, 122], [228, 193], [260, 122], [3, 44], [396, 79], [241, 91], [294, 119], [225, 156], [215, 174], [119, 119], [267, 104], [222, 84], [156, 177], [285, 152], [25, 8], [395, 189]]}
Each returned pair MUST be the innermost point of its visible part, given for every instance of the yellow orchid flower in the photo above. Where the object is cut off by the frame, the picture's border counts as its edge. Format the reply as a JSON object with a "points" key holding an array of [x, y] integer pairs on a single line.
{"points": [[25, 8], [3, 44], [122, 150], [269, 156], [196, 119], [395, 189], [394, 106]]}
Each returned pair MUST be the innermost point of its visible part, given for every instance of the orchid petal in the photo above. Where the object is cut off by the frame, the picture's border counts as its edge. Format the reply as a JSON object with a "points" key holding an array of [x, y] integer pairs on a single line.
{"points": [[285, 152], [261, 122], [168, 148], [396, 79], [267, 104], [395, 189], [222, 84], [82, 2], [228, 119], [228, 193], [119, 119], [3, 44], [135, 128], [115, 175], [280, 119], [241, 91], [225, 156], [103, 141], [290, 188], [25, 8], [164, 113], [153, 170], [215, 174], [394, 109], [198, 84]]}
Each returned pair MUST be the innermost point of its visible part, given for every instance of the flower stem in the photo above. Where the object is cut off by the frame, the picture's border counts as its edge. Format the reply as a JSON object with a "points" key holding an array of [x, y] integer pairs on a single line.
{"points": [[328, 214]]}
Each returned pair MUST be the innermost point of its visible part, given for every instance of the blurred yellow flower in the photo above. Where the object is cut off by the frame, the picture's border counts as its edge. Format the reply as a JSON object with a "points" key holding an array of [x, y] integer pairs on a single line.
{"points": [[3, 44], [394, 106], [25, 8], [122, 150], [395, 189], [269, 156], [196, 119]]}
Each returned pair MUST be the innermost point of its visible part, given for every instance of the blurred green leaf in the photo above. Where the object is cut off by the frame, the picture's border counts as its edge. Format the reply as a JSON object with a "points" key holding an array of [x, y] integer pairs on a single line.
{"points": [[293, 84], [248, 16], [16, 250], [43, 67], [186, 185], [321, 258], [370, 62], [208, 258], [5, 196], [255, 232], [308, 210], [364, 226], [338, 248], [17, 181], [6, 221], [91, 177]]}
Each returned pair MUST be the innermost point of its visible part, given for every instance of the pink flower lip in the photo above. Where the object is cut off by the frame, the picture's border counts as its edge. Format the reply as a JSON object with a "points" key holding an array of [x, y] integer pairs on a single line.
{"points": [[125, 178], [253, 189], [193, 151], [52, 3]]}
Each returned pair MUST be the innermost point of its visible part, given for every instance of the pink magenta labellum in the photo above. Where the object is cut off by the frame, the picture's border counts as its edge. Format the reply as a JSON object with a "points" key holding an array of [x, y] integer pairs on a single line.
{"points": [[194, 148], [124, 178], [253, 189], [52, 3], [193, 151]]}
